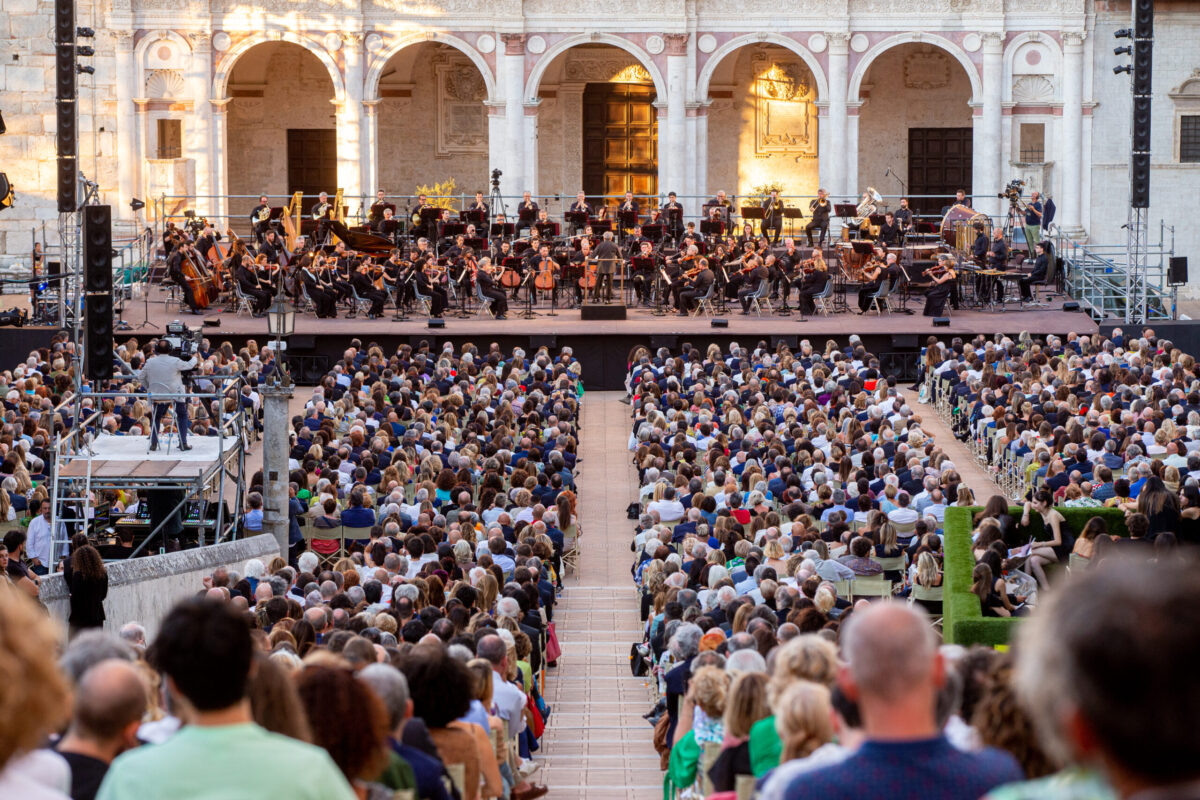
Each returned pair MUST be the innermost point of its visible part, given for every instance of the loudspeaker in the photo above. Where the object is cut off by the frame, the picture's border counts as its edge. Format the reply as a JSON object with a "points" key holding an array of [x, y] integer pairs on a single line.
{"points": [[1143, 61], [1071, 305], [941, 322], [1139, 180], [594, 312], [66, 185], [66, 135], [1177, 273], [98, 336], [64, 21], [64, 72], [211, 322], [436, 323], [718, 322], [97, 249], [1141, 124], [1143, 19]]}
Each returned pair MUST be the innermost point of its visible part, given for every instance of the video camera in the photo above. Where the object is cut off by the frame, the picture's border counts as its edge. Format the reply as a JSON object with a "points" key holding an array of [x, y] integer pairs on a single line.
{"points": [[1012, 192], [184, 341]]}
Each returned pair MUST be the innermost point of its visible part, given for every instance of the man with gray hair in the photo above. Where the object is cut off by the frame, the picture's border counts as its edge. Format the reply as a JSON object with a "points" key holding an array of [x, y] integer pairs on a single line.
{"points": [[109, 704], [894, 674], [133, 634], [684, 646], [510, 701], [90, 648], [390, 686]]}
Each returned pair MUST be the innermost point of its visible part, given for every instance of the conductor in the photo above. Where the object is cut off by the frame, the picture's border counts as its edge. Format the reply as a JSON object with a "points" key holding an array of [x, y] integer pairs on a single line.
{"points": [[606, 257], [163, 375]]}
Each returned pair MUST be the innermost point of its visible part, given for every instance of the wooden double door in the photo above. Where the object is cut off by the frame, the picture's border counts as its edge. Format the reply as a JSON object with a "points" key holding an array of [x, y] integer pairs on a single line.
{"points": [[620, 139], [939, 163], [312, 163]]}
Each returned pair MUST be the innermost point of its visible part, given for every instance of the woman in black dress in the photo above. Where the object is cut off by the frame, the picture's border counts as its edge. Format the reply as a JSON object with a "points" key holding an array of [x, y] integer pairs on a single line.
{"points": [[1058, 546], [87, 581], [1160, 505], [943, 279]]}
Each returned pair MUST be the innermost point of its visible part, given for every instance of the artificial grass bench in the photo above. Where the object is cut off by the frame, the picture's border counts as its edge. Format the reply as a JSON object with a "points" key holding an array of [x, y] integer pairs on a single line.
{"points": [[962, 617]]}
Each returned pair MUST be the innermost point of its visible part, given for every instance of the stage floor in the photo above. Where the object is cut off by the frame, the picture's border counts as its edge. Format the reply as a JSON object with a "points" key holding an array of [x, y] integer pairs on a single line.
{"points": [[640, 322], [130, 456]]}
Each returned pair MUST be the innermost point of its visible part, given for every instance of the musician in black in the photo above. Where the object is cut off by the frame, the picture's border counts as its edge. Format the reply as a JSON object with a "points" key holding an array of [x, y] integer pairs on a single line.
{"points": [[820, 210], [890, 233], [1041, 268], [208, 237], [997, 259], [874, 276], [786, 276], [260, 218], [175, 272], [607, 255], [580, 206], [772, 224], [426, 225], [252, 286], [527, 213], [672, 217], [360, 279], [322, 295], [546, 227], [271, 247], [388, 226], [485, 279], [904, 217], [455, 251], [322, 212], [540, 261], [700, 286], [644, 271], [375, 214], [428, 282], [979, 249], [755, 272], [393, 274], [579, 267], [960, 199], [815, 279], [722, 205], [944, 278]]}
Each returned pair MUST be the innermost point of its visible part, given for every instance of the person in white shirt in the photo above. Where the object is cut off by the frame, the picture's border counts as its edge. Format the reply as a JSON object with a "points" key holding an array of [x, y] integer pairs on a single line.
{"points": [[904, 515], [510, 701], [40, 538], [668, 508]]}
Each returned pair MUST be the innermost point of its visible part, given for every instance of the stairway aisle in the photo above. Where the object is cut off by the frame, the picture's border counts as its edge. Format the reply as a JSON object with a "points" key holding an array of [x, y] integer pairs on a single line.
{"points": [[597, 745]]}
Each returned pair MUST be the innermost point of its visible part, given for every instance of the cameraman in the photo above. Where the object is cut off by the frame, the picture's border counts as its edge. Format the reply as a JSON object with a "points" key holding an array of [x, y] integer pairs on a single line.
{"points": [[163, 374]]}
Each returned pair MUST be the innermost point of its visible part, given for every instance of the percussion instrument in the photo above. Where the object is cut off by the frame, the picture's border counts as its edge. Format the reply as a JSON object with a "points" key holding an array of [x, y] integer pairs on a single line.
{"points": [[957, 219]]}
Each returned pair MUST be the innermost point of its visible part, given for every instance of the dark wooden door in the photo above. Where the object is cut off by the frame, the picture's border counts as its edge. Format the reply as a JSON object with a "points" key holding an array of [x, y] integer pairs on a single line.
{"points": [[312, 163], [939, 163], [620, 139]]}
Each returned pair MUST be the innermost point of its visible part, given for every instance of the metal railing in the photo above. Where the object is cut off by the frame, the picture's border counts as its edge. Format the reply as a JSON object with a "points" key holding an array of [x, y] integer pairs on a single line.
{"points": [[1098, 276]]}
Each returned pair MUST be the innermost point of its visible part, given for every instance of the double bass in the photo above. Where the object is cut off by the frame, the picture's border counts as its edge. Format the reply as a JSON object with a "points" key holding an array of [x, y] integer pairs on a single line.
{"points": [[197, 279]]}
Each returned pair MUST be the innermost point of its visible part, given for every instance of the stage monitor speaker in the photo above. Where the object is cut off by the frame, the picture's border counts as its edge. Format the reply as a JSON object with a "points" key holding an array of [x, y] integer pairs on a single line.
{"points": [[214, 322], [67, 203], [941, 322], [718, 322], [436, 323], [97, 249], [1139, 181], [591, 312], [1177, 271], [161, 503], [302, 342], [98, 330], [1071, 305]]}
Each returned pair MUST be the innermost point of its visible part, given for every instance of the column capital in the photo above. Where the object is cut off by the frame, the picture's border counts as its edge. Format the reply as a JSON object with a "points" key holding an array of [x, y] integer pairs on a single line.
{"points": [[514, 43], [1073, 38], [676, 43], [353, 38], [371, 106], [199, 40], [220, 106], [839, 42], [531, 106], [993, 40]]}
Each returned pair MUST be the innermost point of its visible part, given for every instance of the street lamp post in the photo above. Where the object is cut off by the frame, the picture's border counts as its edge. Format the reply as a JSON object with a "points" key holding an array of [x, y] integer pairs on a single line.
{"points": [[276, 391]]}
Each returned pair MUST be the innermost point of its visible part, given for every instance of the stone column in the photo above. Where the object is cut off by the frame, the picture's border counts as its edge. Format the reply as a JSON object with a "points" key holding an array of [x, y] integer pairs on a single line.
{"points": [[221, 154], [987, 134], [700, 184], [851, 145], [349, 123], [497, 142], [664, 146], [676, 142], [198, 142], [838, 154], [276, 425], [530, 145], [127, 154], [513, 68], [1071, 145], [370, 143]]}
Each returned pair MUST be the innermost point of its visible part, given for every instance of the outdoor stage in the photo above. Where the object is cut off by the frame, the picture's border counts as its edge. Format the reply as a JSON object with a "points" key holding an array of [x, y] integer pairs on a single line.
{"points": [[601, 346]]}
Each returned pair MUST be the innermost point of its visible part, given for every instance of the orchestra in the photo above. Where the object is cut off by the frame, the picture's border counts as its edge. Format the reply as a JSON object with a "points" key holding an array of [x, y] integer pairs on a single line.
{"points": [[649, 256]]}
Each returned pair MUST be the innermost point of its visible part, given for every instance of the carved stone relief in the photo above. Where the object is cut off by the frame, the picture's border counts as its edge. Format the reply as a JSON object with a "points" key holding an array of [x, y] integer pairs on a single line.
{"points": [[1033, 89], [164, 83], [785, 115], [462, 126], [927, 69], [608, 70]]}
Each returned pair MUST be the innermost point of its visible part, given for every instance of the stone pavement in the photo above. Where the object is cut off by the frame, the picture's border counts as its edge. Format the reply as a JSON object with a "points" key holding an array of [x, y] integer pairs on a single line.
{"points": [[597, 745]]}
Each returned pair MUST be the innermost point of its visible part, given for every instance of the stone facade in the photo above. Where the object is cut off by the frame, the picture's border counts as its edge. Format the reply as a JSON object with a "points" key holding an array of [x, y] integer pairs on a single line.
{"points": [[1032, 79]]}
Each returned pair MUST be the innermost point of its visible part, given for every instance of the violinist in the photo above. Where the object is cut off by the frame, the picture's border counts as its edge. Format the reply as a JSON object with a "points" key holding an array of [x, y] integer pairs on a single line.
{"points": [[175, 272], [428, 282], [463, 271], [944, 278], [645, 267], [677, 268], [340, 273], [814, 281], [393, 274], [485, 279], [322, 295], [873, 278], [364, 285], [754, 274], [260, 218], [455, 251], [267, 273], [701, 283], [251, 286]]}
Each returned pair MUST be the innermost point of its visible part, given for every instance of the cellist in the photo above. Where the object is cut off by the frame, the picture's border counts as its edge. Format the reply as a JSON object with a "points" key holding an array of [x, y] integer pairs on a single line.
{"points": [[175, 272]]}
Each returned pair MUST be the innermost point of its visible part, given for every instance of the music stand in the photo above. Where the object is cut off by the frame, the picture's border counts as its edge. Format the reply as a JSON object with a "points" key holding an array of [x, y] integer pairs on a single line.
{"points": [[501, 230], [475, 216], [791, 215], [476, 243], [429, 218], [547, 230], [578, 219], [628, 220], [847, 210], [600, 225], [712, 227], [653, 232]]}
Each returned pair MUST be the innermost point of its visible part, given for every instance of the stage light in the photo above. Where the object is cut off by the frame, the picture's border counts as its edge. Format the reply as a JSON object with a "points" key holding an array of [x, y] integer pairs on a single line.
{"points": [[84, 50], [1127, 50], [7, 194], [136, 205], [85, 33], [1123, 68], [1123, 33], [82, 70]]}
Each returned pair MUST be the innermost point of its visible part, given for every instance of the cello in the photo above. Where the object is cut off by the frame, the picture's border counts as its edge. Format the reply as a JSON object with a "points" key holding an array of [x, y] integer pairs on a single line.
{"points": [[545, 280], [198, 280]]}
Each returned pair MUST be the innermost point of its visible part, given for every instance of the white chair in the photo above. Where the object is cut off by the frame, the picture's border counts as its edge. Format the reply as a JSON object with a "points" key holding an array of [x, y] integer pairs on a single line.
{"points": [[240, 301], [704, 303], [485, 302], [760, 298], [872, 586], [882, 293], [894, 564]]}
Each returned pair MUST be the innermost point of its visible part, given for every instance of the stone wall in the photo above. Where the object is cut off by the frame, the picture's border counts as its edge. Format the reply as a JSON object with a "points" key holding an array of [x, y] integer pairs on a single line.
{"points": [[144, 589], [296, 90], [893, 103], [762, 124]]}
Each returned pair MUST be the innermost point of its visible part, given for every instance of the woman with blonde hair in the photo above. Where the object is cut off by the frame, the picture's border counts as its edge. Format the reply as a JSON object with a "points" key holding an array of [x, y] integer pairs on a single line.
{"points": [[804, 721], [746, 704], [806, 658]]}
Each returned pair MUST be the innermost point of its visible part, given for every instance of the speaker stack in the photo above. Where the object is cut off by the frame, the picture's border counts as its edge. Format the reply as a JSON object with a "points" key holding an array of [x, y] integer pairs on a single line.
{"points": [[64, 96], [98, 295], [1143, 59]]}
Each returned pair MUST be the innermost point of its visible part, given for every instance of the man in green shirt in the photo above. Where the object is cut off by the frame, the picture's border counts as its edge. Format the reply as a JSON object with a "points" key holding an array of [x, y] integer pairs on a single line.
{"points": [[204, 650]]}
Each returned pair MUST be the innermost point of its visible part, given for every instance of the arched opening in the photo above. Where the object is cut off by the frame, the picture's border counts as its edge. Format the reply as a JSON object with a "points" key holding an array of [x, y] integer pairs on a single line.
{"points": [[597, 124], [432, 121], [280, 130], [915, 120], [762, 123]]}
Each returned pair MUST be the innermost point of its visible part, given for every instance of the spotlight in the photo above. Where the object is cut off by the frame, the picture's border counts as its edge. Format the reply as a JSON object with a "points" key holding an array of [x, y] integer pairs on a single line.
{"points": [[136, 205], [84, 50], [1126, 68], [82, 70], [1123, 33], [7, 194], [86, 33], [1127, 50]]}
